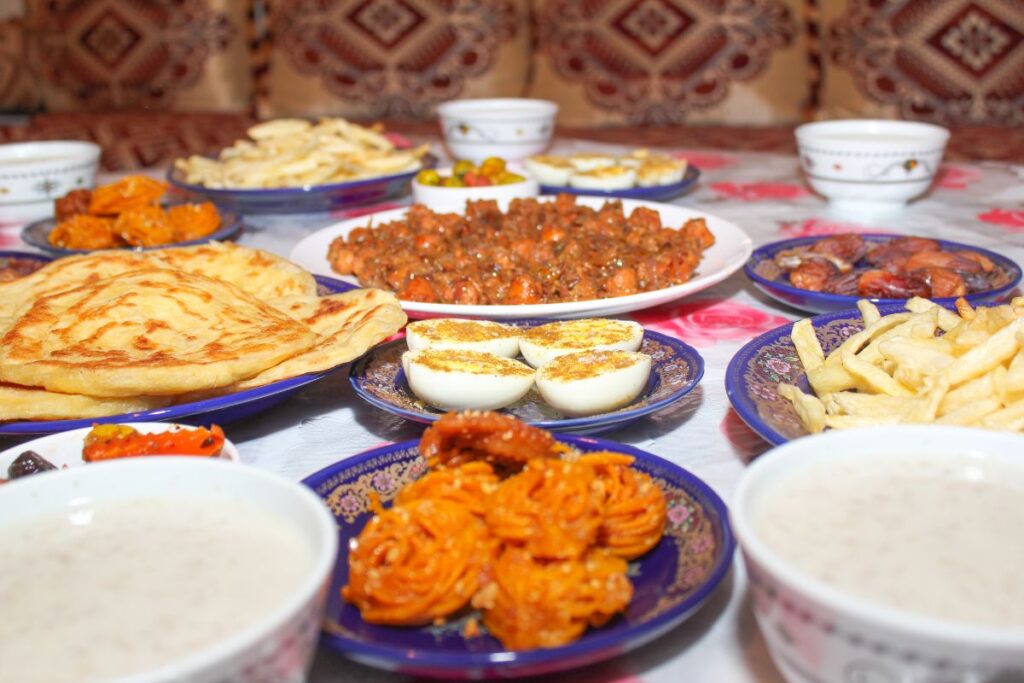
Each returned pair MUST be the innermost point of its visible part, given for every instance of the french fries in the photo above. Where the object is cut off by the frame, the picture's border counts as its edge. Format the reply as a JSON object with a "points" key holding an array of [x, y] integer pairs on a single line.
{"points": [[927, 365], [298, 153]]}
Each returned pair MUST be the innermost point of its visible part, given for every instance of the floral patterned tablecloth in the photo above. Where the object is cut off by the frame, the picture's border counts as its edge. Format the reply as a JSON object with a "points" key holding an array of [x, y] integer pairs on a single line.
{"points": [[982, 204]]}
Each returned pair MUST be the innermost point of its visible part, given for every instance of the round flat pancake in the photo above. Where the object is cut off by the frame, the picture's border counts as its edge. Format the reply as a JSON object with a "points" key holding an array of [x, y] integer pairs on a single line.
{"points": [[28, 403]]}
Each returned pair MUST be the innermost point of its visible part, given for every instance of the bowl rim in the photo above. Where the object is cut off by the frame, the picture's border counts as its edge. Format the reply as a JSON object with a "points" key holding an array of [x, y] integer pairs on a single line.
{"points": [[929, 133], [480, 107], [324, 552], [797, 454], [769, 249], [81, 150]]}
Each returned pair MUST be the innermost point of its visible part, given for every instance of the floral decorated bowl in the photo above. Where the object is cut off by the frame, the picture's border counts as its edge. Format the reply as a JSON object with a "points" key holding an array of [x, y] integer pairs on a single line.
{"points": [[512, 128], [34, 174], [453, 199], [869, 168]]}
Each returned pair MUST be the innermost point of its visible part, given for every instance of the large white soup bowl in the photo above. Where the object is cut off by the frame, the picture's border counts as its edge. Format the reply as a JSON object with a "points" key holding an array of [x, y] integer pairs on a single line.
{"points": [[34, 174], [512, 128]]}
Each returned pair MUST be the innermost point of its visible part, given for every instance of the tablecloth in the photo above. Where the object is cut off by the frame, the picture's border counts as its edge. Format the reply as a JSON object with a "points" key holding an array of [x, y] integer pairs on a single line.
{"points": [[982, 204]]}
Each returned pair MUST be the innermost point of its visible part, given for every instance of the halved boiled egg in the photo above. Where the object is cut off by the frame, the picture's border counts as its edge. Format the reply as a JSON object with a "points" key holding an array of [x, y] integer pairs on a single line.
{"points": [[458, 333], [607, 178], [660, 170], [591, 382], [456, 379], [589, 161], [549, 170], [542, 344]]}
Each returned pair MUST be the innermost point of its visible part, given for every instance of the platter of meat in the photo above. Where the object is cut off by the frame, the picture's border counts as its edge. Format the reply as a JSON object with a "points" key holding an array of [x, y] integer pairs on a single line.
{"points": [[561, 257], [824, 274]]}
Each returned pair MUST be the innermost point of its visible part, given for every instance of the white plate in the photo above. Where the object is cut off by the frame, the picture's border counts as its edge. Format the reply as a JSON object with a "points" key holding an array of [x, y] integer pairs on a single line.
{"points": [[731, 250], [65, 449]]}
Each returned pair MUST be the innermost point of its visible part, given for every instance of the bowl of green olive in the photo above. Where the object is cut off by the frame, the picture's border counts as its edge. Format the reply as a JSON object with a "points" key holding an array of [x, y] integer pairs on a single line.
{"points": [[448, 189]]}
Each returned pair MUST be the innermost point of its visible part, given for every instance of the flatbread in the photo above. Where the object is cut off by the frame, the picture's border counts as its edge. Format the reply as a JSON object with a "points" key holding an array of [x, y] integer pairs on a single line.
{"points": [[27, 403], [147, 332]]}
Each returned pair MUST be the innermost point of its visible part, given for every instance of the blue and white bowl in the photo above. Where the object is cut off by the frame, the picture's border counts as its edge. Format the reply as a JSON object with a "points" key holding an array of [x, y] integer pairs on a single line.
{"points": [[34, 174]]}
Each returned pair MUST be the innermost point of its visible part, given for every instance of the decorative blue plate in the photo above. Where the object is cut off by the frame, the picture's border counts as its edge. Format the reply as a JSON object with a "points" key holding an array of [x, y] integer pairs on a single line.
{"points": [[821, 302], [9, 258], [676, 368], [37, 235], [310, 199], [755, 372], [221, 409], [671, 582], [657, 193]]}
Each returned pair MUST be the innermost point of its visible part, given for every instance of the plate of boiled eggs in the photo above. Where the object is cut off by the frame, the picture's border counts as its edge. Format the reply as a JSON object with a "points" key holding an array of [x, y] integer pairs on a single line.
{"points": [[572, 376], [640, 174]]}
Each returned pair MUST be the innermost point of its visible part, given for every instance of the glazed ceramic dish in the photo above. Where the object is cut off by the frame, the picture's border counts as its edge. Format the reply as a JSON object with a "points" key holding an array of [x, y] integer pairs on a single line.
{"points": [[671, 582], [511, 128], [731, 250], [444, 199], [34, 174], [676, 368], [38, 235], [822, 302], [221, 409], [311, 199], [64, 450], [818, 631], [656, 193]]}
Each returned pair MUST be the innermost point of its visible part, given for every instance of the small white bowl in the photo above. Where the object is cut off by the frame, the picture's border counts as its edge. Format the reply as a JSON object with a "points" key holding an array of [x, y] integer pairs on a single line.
{"points": [[511, 128], [34, 174], [816, 632], [870, 167], [278, 647], [453, 199]]}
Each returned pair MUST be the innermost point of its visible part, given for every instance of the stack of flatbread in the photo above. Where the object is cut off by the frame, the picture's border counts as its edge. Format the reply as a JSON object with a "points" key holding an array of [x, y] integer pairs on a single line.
{"points": [[117, 331]]}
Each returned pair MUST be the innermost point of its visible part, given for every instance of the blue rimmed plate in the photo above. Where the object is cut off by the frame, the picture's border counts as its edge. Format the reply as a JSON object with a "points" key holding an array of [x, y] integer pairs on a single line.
{"points": [[221, 409], [753, 375], [38, 235], [671, 582], [657, 193], [778, 287], [676, 368], [310, 199], [23, 262]]}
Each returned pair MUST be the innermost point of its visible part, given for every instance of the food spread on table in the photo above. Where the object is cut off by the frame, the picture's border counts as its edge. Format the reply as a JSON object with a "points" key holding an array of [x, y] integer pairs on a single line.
{"points": [[536, 252], [296, 153], [924, 365], [531, 533], [128, 213], [901, 268], [597, 171]]}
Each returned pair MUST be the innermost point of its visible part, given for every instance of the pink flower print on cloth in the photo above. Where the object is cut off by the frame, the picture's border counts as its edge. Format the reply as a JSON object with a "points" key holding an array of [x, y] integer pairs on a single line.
{"points": [[814, 227], [753, 192], [705, 322], [705, 161], [345, 214], [956, 177], [1011, 220]]}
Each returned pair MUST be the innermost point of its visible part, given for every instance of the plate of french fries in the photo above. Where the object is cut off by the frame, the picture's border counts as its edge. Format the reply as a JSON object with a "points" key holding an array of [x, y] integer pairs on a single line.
{"points": [[918, 363], [296, 165]]}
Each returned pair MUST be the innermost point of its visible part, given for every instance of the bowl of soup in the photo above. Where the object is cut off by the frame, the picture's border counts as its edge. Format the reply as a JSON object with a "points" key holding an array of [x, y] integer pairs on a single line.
{"points": [[512, 128], [161, 569], [888, 554], [34, 174], [867, 168]]}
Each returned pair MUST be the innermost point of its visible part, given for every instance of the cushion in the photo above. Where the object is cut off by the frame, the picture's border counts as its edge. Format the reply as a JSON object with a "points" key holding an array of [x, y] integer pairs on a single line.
{"points": [[155, 54], [18, 90], [947, 61], [397, 58], [672, 61]]}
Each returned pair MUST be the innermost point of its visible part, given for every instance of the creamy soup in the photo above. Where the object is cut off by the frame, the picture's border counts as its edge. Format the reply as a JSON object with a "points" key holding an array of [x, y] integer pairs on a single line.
{"points": [[934, 535], [121, 587]]}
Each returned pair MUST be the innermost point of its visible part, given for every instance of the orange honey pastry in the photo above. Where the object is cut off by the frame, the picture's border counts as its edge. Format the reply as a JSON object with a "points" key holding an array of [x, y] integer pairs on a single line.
{"points": [[634, 506], [128, 193], [144, 226], [552, 509], [530, 603], [418, 563], [193, 221], [84, 232], [501, 440], [470, 485]]}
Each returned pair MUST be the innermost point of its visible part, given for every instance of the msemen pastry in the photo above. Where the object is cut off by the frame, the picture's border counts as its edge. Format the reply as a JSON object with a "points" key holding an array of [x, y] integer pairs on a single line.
{"points": [[591, 382], [542, 344], [458, 333], [454, 379]]}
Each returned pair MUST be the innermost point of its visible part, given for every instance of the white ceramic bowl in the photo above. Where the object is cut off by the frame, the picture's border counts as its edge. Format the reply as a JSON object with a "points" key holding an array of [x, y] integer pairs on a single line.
{"points": [[511, 128], [33, 174], [448, 199], [819, 634], [870, 167], [277, 648]]}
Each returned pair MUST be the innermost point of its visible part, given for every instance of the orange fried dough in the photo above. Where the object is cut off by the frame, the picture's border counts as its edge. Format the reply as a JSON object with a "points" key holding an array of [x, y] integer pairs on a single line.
{"points": [[470, 485], [634, 506], [128, 193], [501, 440]]}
